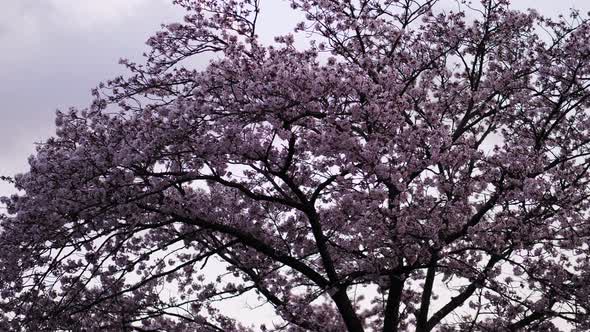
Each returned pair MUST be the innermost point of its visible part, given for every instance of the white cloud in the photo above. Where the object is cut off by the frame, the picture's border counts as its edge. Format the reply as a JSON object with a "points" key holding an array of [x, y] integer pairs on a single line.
{"points": [[91, 13], [53, 53], [26, 22]]}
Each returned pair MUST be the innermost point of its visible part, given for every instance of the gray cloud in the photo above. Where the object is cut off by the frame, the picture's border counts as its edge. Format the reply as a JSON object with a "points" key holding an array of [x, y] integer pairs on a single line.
{"points": [[53, 53]]}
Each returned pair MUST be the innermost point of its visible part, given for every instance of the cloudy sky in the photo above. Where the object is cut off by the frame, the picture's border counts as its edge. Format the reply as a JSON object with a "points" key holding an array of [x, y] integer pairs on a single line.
{"points": [[55, 51]]}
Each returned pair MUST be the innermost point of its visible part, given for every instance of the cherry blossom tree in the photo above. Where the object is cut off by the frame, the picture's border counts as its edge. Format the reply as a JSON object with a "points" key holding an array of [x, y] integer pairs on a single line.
{"points": [[392, 165]]}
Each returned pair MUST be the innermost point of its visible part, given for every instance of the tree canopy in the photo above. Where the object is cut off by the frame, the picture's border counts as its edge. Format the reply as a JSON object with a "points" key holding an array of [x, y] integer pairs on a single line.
{"points": [[391, 165]]}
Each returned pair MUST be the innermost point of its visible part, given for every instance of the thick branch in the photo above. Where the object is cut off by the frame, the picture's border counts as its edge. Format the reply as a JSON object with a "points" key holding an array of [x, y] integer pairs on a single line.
{"points": [[250, 241], [391, 314], [422, 314], [458, 300]]}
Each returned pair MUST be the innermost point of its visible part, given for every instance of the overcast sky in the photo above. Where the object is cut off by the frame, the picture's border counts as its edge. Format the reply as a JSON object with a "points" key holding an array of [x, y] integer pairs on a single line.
{"points": [[55, 51]]}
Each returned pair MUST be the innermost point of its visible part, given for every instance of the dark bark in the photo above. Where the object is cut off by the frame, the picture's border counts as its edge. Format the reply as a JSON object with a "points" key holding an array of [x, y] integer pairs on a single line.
{"points": [[391, 320], [458, 300], [422, 315], [351, 319]]}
